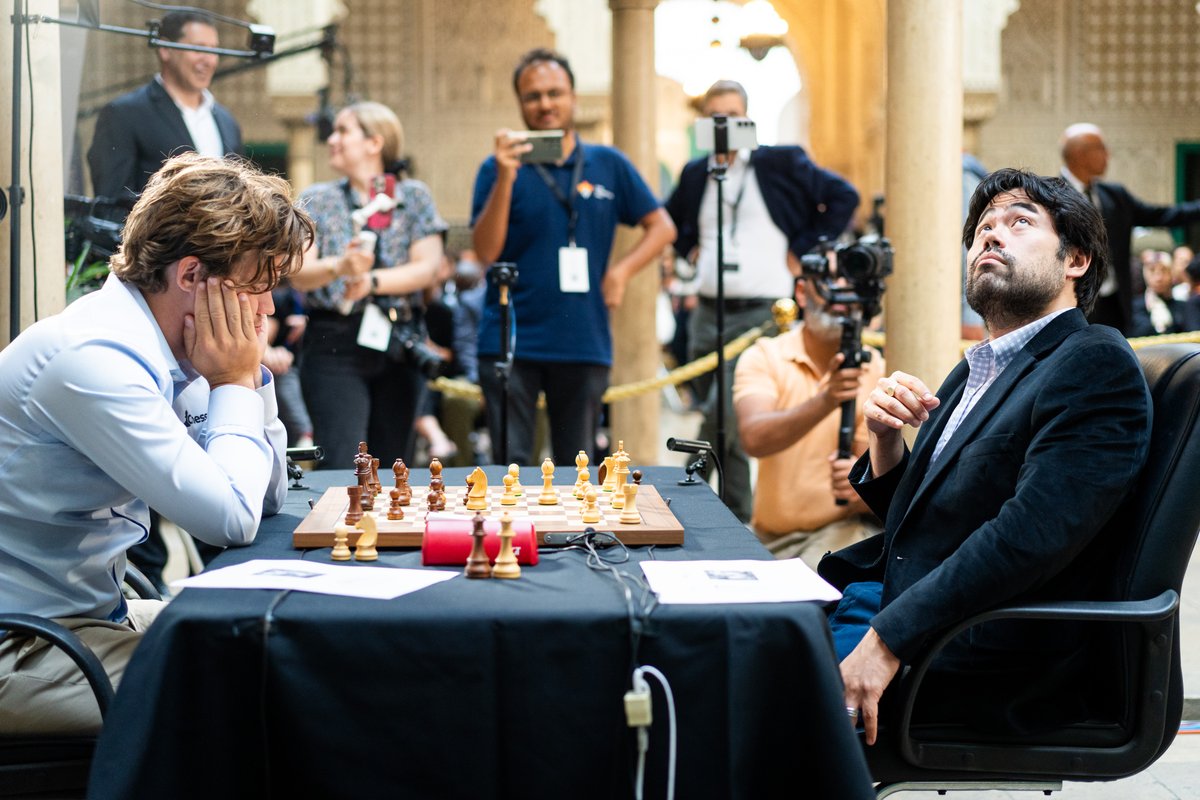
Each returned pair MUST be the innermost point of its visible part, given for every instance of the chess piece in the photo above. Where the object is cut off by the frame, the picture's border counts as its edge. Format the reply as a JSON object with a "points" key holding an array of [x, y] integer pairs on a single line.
{"points": [[376, 486], [585, 481], [506, 560], [365, 550], [515, 471], [341, 535], [629, 514], [509, 498], [355, 512], [478, 565], [621, 461], [396, 509], [400, 471], [548, 497], [435, 500], [581, 462], [477, 494], [591, 512], [362, 476], [607, 476]]}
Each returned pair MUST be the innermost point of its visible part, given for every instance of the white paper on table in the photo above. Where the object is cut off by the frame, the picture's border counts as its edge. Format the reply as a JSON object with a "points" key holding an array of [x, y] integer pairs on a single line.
{"points": [[381, 583], [787, 581]]}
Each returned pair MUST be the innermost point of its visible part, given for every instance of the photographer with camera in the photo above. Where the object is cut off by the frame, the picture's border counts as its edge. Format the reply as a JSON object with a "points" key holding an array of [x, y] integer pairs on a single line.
{"points": [[550, 204], [778, 203], [787, 393], [363, 356]]}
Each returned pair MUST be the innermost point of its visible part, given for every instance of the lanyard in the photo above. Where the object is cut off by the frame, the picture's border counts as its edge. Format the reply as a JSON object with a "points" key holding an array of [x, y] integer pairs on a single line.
{"points": [[566, 201], [737, 201]]}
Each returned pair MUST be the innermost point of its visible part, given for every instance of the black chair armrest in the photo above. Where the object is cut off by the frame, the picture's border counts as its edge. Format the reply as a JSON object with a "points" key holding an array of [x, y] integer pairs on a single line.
{"points": [[66, 640], [1158, 609], [137, 580]]}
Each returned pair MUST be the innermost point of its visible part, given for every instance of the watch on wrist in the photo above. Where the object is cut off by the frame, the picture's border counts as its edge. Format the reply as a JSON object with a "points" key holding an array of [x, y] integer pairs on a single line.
{"points": [[374, 283]]}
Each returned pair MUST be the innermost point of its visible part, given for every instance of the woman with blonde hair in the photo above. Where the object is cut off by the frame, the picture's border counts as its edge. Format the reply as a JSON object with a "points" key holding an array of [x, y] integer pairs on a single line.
{"points": [[363, 281]]}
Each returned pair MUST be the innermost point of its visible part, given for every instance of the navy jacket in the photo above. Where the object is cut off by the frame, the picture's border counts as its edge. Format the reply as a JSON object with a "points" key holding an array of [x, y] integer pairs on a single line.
{"points": [[804, 201], [1010, 511], [137, 132]]}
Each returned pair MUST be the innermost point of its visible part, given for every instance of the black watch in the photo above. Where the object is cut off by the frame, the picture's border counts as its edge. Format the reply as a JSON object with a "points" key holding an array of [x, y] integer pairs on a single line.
{"points": [[374, 283]]}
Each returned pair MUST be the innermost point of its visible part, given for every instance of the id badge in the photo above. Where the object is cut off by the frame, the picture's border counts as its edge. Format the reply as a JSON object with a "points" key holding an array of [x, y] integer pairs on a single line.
{"points": [[573, 270], [376, 329]]}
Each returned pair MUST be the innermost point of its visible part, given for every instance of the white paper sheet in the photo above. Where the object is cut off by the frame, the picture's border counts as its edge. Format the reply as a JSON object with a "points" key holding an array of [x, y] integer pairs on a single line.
{"points": [[382, 583], [787, 581]]}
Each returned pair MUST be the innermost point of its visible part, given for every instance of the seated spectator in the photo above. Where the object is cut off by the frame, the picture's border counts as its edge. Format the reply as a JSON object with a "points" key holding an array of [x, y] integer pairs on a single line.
{"points": [[1191, 308], [1156, 311], [787, 394]]}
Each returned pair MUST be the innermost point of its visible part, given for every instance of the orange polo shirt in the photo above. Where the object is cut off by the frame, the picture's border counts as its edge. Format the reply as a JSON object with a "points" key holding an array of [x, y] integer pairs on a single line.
{"points": [[793, 490]]}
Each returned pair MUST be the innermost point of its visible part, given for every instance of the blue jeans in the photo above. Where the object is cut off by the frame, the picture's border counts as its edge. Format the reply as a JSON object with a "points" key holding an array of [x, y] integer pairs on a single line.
{"points": [[852, 617]]}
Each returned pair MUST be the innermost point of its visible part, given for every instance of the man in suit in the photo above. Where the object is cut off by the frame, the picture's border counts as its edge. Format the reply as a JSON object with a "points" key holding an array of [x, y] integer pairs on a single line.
{"points": [[778, 204], [1085, 159], [173, 113], [1021, 457]]}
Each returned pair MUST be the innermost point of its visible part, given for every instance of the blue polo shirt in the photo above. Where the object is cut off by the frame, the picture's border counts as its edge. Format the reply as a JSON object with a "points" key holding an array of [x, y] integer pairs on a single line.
{"points": [[551, 325]]}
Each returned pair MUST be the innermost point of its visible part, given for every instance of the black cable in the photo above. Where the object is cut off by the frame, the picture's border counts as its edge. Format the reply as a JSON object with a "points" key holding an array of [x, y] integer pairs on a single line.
{"points": [[32, 182]]}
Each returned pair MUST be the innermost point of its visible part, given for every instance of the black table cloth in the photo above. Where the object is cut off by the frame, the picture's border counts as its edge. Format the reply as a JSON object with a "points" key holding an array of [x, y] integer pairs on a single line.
{"points": [[480, 689]]}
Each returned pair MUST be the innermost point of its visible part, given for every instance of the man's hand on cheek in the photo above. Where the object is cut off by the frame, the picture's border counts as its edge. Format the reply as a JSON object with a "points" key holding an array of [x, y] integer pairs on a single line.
{"points": [[220, 335]]}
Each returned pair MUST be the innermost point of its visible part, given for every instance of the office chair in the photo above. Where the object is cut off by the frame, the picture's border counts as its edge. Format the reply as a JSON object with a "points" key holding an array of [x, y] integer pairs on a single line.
{"points": [[58, 766], [1157, 526]]}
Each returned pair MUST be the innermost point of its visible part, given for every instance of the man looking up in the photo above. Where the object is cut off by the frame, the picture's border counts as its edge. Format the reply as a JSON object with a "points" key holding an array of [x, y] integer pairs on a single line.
{"points": [[1085, 160], [173, 113], [147, 392], [556, 222], [1027, 449], [778, 204]]}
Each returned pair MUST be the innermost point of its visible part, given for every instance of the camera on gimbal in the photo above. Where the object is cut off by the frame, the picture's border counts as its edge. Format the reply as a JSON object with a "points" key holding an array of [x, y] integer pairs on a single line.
{"points": [[853, 279], [863, 264]]}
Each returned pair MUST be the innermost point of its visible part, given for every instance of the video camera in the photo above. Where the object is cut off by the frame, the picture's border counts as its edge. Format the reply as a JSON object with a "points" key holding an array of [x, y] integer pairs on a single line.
{"points": [[864, 264], [854, 279]]}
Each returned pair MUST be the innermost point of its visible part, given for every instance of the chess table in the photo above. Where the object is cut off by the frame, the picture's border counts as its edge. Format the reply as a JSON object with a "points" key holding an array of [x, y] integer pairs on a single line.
{"points": [[480, 688]]}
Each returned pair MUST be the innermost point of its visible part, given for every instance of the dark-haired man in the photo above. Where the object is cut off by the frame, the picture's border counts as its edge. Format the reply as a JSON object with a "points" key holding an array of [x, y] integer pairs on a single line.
{"points": [[173, 113], [147, 392], [1026, 450], [556, 222]]}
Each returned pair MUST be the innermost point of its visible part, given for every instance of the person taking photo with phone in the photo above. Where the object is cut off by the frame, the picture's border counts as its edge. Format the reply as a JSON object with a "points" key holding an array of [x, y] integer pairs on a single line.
{"points": [[556, 222]]}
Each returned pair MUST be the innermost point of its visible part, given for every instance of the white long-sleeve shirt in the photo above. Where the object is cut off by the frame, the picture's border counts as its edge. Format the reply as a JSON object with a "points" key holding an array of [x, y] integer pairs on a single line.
{"points": [[98, 420]]}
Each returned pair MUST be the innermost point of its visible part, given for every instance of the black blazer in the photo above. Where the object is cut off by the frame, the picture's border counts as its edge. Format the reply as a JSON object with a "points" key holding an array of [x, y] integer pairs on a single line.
{"points": [[1121, 212], [136, 132], [1011, 509]]}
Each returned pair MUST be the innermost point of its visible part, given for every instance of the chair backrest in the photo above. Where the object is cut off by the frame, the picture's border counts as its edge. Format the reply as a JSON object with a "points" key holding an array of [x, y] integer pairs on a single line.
{"points": [[1157, 524]]}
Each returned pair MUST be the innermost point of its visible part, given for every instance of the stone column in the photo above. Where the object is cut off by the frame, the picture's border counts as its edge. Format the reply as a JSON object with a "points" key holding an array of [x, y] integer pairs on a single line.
{"points": [[924, 186], [41, 214], [635, 346]]}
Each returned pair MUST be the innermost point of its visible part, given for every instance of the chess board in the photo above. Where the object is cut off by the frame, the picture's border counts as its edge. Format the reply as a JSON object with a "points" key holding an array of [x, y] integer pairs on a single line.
{"points": [[658, 525]]}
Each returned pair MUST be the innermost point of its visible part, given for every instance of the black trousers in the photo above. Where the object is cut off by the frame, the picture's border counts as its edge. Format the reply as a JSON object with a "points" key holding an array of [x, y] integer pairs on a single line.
{"points": [[573, 393], [355, 394]]}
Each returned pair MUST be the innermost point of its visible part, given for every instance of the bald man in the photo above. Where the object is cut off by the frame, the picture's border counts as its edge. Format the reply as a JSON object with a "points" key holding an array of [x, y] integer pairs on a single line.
{"points": [[1085, 159]]}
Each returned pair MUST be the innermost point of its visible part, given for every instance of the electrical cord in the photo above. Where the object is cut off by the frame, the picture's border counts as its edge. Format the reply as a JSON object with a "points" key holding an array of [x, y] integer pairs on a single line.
{"points": [[32, 196], [638, 704]]}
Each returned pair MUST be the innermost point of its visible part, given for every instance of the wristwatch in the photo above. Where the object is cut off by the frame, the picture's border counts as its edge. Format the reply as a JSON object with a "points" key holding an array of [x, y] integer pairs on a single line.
{"points": [[374, 283]]}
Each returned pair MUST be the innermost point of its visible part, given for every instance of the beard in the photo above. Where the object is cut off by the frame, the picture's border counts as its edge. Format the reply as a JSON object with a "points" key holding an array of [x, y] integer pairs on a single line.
{"points": [[1011, 296]]}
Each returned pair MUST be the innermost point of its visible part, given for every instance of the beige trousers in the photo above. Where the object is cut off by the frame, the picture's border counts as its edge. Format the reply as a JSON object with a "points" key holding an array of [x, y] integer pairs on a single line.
{"points": [[42, 691], [810, 546]]}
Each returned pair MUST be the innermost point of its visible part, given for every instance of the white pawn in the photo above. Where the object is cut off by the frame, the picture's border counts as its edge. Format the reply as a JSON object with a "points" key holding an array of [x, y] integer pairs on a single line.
{"points": [[509, 498]]}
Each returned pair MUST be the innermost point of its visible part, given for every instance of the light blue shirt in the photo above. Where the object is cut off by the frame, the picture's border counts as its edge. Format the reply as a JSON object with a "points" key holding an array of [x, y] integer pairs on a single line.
{"points": [[99, 420], [985, 361]]}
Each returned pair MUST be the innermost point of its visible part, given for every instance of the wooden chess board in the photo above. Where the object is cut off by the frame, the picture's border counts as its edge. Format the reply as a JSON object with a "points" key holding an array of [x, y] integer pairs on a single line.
{"points": [[658, 525]]}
